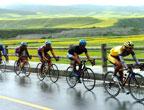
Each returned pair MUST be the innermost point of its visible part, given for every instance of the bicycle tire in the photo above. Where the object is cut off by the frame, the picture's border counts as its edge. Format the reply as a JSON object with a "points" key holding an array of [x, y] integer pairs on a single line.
{"points": [[26, 69], [54, 73], [70, 77], [39, 74], [88, 79], [136, 86], [110, 85], [16, 68]]}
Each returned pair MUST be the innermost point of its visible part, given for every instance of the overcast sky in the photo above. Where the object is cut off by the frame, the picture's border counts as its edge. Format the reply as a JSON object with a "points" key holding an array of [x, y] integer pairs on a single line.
{"points": [[4, 3]]}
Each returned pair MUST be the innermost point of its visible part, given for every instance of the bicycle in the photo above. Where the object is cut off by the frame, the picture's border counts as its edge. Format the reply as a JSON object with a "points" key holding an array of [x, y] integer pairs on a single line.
{"points": [[3, 66], [134, 82], [86, 74], [44, 70], [24, 70]]}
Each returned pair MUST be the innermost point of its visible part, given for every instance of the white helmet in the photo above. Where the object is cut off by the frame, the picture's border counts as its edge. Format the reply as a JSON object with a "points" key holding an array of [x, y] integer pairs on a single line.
{"points": [[48, 43], [23, 43]]}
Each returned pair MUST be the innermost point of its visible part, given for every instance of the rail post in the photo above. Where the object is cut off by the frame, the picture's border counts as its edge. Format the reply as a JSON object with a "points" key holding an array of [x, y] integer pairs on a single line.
{"points": [[104, 57]]}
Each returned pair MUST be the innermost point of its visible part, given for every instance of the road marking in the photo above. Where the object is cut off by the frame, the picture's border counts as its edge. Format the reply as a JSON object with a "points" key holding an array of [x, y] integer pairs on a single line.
{"points": [[24, 103]]}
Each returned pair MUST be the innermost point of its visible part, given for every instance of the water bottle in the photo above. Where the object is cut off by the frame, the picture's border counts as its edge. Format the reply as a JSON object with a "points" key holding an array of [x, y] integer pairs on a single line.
{"points": [[125, 75]]}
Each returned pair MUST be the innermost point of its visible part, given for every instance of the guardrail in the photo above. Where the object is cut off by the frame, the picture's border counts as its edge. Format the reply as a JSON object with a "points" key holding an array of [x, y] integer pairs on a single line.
{"points": [[103, 49]]}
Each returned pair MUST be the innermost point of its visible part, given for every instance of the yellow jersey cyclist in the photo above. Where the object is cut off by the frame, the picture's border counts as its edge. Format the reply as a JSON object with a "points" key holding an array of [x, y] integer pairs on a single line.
{"points": [[73, 54], [43, 53], [116, 57]]}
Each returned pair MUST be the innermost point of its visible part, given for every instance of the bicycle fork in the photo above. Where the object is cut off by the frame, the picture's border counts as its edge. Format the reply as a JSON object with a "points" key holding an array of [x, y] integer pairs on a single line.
{"points": [[121, 86]]}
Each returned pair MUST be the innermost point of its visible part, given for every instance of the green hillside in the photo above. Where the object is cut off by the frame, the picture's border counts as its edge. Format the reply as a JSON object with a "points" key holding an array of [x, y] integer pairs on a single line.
{"points": [[131, 22], [71, 21], [67, 22]]}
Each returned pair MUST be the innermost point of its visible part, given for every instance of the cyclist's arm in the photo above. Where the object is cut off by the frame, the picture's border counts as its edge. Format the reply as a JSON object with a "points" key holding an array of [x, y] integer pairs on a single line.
{"points": [[135, 59], [53, 54], [122, 61], [28, 53], [87, 55]]}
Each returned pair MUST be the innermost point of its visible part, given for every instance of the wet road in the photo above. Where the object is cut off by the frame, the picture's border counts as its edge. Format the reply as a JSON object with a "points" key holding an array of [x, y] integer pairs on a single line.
{"points": [[21, 93]]}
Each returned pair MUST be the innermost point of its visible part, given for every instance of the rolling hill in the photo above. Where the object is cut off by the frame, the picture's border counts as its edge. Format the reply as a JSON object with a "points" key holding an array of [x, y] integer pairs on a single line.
{"points": [[73, 21]]}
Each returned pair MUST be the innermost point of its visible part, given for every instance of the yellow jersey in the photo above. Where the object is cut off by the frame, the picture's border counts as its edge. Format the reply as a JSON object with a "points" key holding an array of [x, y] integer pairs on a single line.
{"points": [[119, 50]]}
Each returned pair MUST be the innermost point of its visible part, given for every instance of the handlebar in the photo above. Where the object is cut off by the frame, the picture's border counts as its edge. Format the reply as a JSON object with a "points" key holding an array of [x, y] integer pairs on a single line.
{"points": [[83, 61], [139, 66]]}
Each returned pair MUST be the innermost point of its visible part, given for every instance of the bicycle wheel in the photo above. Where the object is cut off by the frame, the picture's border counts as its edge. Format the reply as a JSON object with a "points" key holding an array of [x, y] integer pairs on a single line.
{"points": [[110, 86], [3, 66], [70, 77], [40, 72], [136, 86], [26, 69], [16, 68], [54, 73], [88, 78]]}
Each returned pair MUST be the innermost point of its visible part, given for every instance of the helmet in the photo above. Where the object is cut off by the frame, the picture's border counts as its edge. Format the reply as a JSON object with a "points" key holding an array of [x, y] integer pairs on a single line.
{"points": [[23, 43], [48, 43], [128, 44], [82, 42]]}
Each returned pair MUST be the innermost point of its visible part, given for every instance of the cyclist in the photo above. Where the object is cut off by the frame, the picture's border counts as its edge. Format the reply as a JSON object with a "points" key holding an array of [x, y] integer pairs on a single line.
{"points": [[116, 57], [3, 51], [43, 53], [73, 54], [23, 54]]}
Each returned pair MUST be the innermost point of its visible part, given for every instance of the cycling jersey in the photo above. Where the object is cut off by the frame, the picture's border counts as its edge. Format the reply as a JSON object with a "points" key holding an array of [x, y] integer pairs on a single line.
{"points": [[77, 49], [22, 51], [43, 48], [119, 51]]}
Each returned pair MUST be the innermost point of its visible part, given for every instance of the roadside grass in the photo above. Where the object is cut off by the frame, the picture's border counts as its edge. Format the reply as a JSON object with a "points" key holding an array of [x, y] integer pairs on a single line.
{"points": [[91, 42]]}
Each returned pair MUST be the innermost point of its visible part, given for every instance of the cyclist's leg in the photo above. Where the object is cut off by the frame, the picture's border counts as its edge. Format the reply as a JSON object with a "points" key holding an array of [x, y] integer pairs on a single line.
{"points": [[121, 75], [18, 61], [25, 60], [41, 60], [116, 62], [49, 60], [77, 71], [42, 65], [73, 61], [80, 65], [22, 60]]}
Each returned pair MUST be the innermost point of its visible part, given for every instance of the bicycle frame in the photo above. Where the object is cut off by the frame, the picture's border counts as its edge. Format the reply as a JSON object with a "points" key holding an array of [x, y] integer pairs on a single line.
{"points": [[83, 62], [131, 73]]}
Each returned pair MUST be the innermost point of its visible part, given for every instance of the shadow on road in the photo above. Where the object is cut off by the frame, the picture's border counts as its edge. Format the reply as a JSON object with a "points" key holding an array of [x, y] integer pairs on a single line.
{"points": [[116, 104], [81, 99], [52, 88], [23, 81], [137, 106]]}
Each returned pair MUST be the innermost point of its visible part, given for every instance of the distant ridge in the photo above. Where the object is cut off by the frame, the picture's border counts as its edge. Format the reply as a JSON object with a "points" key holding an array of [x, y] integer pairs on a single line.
{"points": [[77, 10]]}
